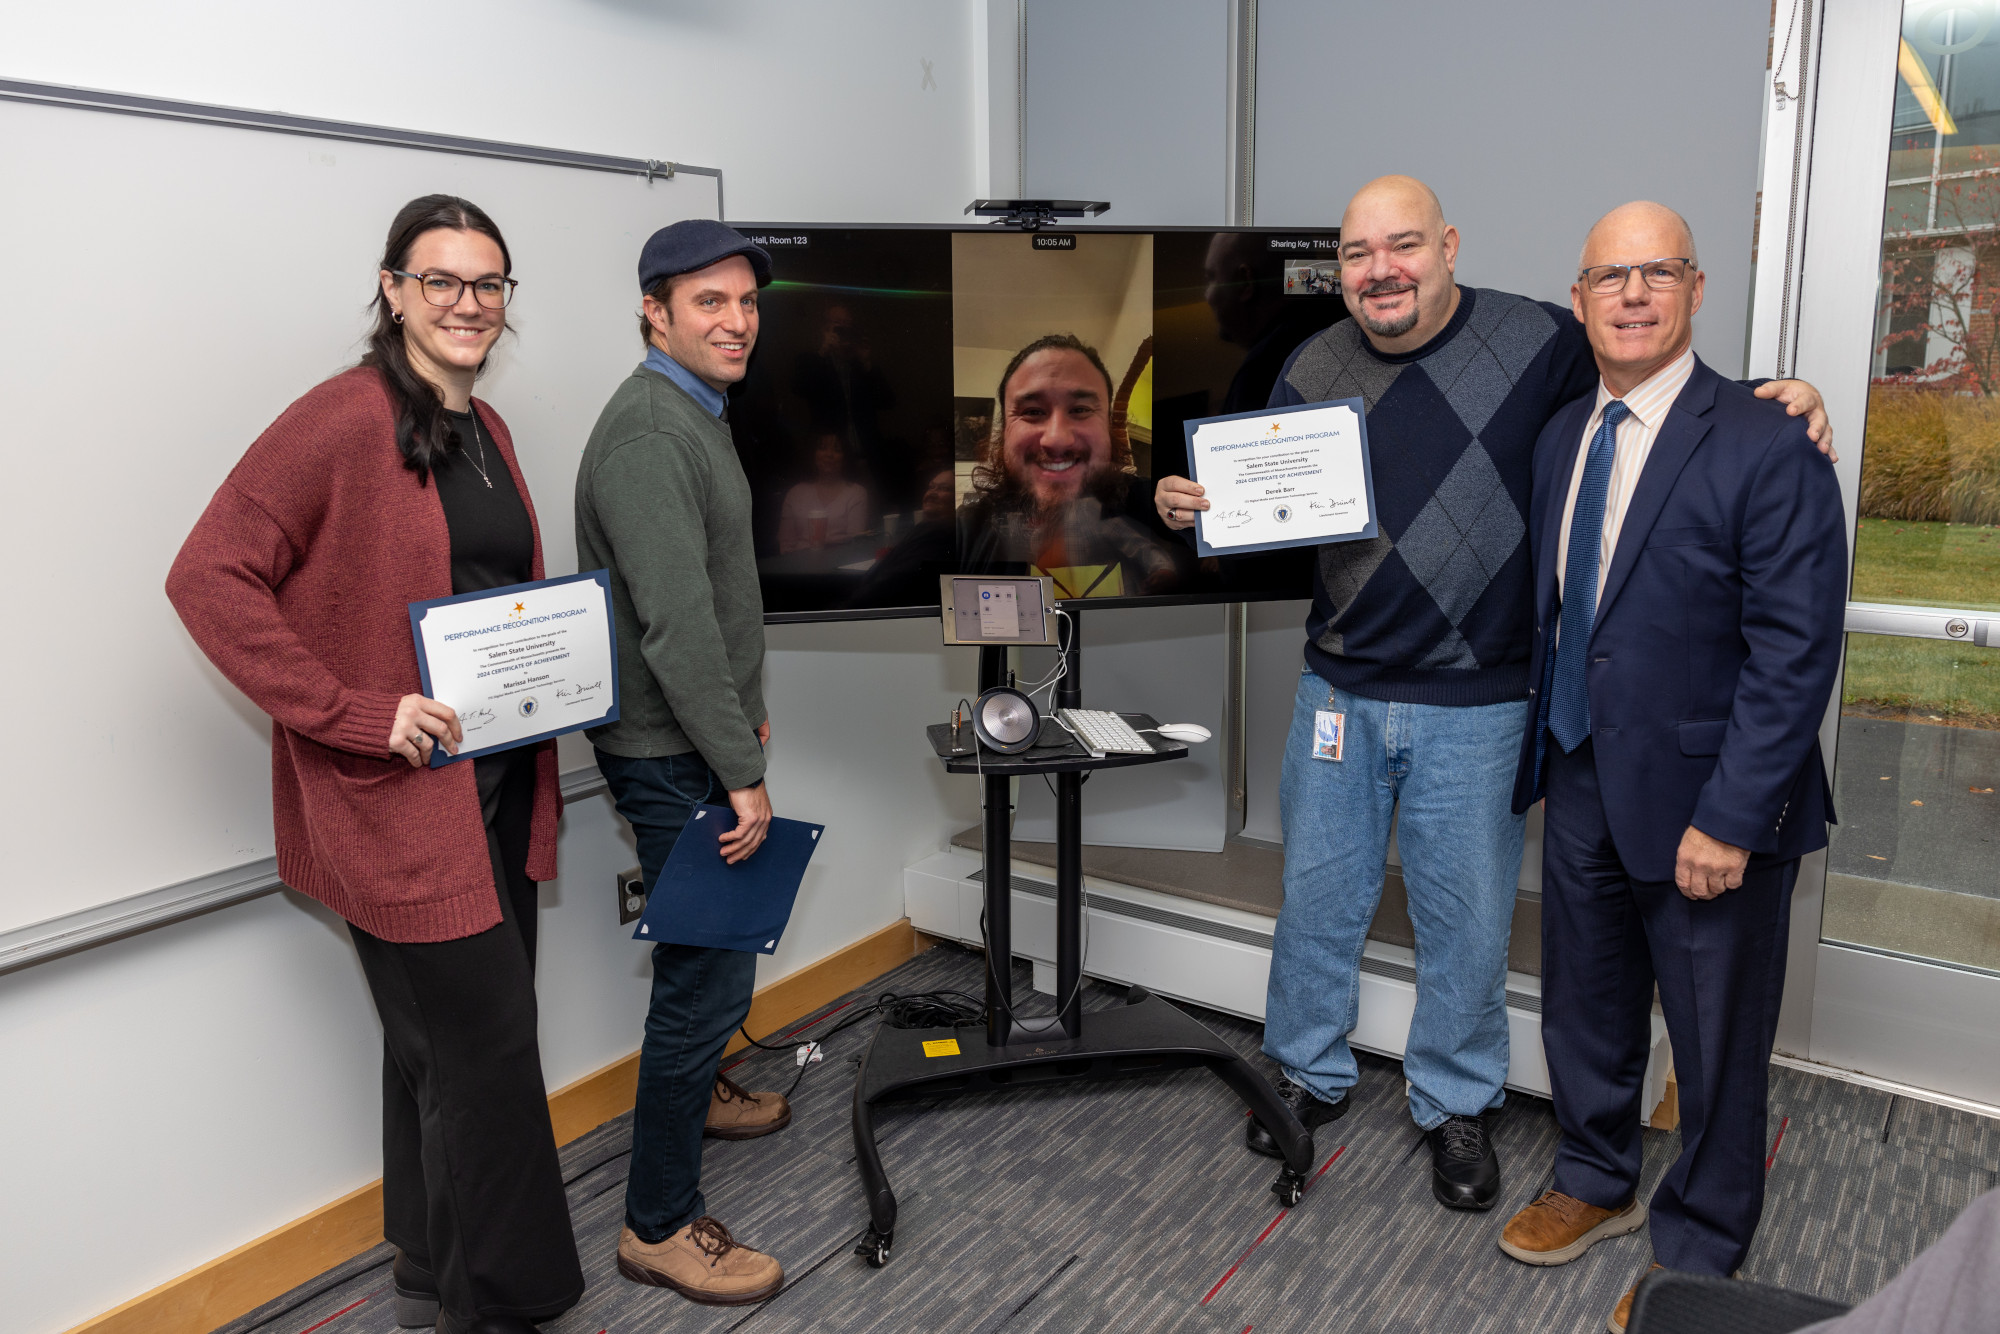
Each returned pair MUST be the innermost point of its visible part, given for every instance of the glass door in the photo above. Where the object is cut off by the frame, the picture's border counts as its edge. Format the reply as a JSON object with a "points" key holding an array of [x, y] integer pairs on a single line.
{"points": [[1906, 974], [1915, 864]]}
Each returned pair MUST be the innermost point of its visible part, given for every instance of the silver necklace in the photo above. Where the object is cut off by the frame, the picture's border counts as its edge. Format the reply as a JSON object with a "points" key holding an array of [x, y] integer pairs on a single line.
{"points": [[481, 465]]}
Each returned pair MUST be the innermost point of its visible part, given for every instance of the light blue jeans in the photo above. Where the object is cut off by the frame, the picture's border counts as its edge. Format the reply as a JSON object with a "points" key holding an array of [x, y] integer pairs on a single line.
{"points": [[1449, 771]]}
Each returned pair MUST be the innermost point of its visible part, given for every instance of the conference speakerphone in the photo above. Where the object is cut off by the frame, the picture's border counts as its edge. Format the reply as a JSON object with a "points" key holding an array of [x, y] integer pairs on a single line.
{"points": [[998, 610]]}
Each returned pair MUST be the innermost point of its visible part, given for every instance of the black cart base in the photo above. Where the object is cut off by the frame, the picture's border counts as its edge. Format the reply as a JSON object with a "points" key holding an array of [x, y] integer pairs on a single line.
{"points": [[1145, 1036]]}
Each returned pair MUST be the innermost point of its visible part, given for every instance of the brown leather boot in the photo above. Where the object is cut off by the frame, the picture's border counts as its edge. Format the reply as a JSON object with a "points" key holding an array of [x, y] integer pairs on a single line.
{"points": [[1623, 1312], [703, 1263], [734, 1112], [1557, 1228]]}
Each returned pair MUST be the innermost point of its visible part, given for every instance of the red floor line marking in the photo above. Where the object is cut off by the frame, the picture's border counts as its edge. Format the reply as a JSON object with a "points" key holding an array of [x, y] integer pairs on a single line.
{"points": [[1245, 1256], [1328, 1163], [800, 1029], [1776, 1142], [1265, 1233], [335, 1316]]}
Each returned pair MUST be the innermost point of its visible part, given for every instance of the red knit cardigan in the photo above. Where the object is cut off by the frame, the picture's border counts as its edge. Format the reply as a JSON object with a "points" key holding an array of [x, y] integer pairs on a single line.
{"points": [[296, 582]]}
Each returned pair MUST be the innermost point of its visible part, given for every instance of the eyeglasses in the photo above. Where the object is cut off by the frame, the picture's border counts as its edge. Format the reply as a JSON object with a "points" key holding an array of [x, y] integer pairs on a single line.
{"points": [[444, 289], [1660, 275]]}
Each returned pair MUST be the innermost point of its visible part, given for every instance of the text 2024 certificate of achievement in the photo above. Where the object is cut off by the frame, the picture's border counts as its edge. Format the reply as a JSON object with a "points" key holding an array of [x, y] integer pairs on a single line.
{"points": [[520, 663], [1288, 478]]}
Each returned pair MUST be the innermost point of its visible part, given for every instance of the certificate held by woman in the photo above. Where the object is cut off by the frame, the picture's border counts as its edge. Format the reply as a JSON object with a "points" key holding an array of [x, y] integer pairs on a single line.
{"points": [[521, 663]]}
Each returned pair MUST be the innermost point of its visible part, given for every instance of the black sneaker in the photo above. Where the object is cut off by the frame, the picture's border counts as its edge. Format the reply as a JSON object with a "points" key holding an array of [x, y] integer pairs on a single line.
{"points": [[1465, 1172], [1309, 1109]]}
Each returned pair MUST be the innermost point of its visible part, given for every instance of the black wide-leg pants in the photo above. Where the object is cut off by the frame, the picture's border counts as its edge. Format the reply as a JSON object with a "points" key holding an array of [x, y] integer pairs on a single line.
{"points": [[471, 1188], [1720, 965]]}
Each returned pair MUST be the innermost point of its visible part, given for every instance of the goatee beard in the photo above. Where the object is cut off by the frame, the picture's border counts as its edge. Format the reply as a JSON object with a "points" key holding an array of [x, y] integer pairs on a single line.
{"points": [[1395, 328]]}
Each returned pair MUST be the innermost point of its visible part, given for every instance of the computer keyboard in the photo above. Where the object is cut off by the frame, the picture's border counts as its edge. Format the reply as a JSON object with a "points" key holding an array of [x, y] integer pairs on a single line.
{"points": [[1102, 732]]}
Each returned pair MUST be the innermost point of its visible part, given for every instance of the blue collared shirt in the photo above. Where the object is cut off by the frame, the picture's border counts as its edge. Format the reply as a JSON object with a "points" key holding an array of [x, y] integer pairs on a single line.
{"points": [[698, 389]]}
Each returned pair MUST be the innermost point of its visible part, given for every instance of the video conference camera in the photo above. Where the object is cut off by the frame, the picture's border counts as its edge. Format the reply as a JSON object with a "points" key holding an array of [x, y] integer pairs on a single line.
{"points": [[1033, 214]]}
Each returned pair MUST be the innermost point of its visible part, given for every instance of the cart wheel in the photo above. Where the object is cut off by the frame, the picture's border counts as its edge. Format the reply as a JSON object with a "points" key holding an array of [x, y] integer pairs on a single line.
{"points": [[874, 1248], [1290, 1188]]}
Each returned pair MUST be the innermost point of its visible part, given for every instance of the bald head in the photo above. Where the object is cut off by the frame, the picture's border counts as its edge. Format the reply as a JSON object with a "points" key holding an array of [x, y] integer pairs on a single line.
{"points": [[1636, 224], [1396, 258], [1641, 318], [1405, 195]]}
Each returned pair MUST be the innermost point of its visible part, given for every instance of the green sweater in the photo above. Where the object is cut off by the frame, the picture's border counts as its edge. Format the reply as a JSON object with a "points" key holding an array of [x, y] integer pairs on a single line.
{"points": [[661, 501]]}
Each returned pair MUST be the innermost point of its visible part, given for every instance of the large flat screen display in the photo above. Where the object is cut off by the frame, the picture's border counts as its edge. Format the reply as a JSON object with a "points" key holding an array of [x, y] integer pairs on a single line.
{"points": [[927, 401]]}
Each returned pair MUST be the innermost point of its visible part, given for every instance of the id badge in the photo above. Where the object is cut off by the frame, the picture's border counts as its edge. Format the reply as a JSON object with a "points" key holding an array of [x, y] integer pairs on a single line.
{"points": [[1329, 734]]}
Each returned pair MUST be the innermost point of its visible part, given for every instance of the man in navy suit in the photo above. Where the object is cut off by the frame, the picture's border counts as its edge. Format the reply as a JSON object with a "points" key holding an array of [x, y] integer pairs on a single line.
{"points": [[1690, 563]]}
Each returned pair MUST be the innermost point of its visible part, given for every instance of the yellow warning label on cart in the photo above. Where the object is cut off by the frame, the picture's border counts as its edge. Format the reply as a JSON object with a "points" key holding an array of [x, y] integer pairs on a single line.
{"points": [[941, 1047]]}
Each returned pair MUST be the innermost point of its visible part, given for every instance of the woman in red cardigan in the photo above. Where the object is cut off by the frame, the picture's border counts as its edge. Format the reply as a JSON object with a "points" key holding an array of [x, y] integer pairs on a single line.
{"points": [[386, 485]]}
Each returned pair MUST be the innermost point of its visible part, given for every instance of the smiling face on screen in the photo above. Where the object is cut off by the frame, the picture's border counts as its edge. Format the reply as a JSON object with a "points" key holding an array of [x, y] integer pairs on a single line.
{"points": [[1056, 428]]}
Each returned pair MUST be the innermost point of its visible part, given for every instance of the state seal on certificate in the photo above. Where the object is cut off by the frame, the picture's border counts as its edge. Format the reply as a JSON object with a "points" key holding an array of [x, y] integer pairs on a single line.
{"points": [[1291, 477], [522, 663]]}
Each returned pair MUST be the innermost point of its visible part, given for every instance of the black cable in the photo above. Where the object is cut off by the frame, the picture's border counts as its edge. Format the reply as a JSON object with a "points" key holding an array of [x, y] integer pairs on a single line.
{"points": [[923, 1009], [1006, 1006]]}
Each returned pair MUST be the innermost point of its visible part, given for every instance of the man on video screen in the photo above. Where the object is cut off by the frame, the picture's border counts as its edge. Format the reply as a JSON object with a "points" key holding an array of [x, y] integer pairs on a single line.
{"points": [[1056, 493]]}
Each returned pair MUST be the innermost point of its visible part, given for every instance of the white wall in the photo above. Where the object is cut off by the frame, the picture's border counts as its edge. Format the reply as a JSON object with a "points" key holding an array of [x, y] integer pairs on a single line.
{"points": [[1529, 124], [196, 1086], [1128, 101], [816, 113]]}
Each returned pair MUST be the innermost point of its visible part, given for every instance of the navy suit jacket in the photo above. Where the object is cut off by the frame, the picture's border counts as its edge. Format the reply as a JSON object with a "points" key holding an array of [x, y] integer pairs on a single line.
{"points": [[1718, 631]]}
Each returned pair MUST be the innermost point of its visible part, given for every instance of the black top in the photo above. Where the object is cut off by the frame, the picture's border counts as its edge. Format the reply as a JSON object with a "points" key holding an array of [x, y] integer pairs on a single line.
{"points": [[492, 543]]}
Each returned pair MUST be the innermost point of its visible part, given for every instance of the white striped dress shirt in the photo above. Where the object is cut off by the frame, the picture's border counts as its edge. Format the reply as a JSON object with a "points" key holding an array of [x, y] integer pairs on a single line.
{"points": [[1649, 402]]}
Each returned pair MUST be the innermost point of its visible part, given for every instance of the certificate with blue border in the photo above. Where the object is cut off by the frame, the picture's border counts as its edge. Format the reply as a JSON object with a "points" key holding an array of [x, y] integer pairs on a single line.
{"points": [[1283, 477], [522, 663]]}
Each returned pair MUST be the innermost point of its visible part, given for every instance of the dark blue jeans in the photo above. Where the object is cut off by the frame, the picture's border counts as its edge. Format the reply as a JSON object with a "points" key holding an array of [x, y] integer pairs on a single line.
{"points": [[700, 996]]}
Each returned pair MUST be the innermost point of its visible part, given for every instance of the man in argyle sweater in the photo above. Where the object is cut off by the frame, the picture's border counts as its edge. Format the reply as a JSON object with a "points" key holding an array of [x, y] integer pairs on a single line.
{"points": [[1417, 644]]}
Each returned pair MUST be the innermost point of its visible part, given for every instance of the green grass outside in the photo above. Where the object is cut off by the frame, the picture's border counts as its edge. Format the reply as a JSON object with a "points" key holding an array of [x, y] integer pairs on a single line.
{"points": [[1924, 680], [1928, 564], [1927, 680]]}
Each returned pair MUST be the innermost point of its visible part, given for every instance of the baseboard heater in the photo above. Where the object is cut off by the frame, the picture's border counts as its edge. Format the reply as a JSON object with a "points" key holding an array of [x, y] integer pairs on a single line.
{"points": [[1214, 956]]}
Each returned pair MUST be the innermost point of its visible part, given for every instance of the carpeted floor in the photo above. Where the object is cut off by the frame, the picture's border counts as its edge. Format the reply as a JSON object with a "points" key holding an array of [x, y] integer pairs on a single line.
{"points": [[1134, 1207]]}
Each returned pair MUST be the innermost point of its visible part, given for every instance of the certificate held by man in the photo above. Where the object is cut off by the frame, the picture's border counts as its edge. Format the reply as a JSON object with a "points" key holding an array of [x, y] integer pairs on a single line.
{"points": [[1291, 478], [521, 663]]}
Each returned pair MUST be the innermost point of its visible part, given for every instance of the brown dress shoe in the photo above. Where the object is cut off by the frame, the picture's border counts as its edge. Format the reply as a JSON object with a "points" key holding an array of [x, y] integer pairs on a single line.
{"points": [[734, 1112], [1557, 1228], [1623, 1311], [703, 1263]]}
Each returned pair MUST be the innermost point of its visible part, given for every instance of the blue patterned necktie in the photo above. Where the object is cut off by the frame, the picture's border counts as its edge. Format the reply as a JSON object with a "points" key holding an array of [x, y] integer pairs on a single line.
{"points": [[1569, 692]]}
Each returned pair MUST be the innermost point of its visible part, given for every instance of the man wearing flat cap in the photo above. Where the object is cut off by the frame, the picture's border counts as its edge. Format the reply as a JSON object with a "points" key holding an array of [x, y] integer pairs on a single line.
{"points": [[661, 501]]}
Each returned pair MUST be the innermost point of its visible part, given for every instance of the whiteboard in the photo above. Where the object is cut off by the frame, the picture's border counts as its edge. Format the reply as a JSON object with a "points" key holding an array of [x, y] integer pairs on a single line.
{"points": [[138, 360]]}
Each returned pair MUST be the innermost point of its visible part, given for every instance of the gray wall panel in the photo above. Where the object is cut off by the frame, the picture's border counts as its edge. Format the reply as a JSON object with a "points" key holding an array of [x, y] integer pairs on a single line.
{"points": [[1128, 100], [1529, 122]]}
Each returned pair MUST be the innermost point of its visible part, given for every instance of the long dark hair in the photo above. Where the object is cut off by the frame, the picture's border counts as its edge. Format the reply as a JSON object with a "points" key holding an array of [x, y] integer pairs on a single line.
{"points": [[424, 434]]}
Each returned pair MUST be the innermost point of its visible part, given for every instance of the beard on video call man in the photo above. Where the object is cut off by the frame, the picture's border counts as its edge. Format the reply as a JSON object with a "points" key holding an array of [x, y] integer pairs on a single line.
{"points": [[1419, 639], [1055, 490]]}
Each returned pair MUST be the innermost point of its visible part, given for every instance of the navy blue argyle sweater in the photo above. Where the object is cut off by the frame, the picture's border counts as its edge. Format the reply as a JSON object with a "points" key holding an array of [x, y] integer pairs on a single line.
{"points": [[1439, 608]]}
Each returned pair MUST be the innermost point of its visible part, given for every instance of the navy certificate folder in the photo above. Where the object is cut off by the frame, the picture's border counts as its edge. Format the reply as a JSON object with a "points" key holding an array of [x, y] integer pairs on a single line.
{"points": [[699, 899]]}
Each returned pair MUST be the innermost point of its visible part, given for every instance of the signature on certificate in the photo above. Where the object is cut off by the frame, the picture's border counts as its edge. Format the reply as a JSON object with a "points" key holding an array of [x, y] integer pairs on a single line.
{"points": [[1235, 518], [580, 690], [474, 719]]}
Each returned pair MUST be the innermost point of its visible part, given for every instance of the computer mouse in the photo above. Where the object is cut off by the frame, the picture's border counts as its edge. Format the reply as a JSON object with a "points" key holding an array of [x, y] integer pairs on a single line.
{"points": [[1188, 732]]}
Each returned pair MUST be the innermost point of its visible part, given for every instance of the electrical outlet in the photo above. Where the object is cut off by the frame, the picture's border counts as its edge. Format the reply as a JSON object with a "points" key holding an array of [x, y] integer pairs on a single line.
{"points": [[631, 896]]}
